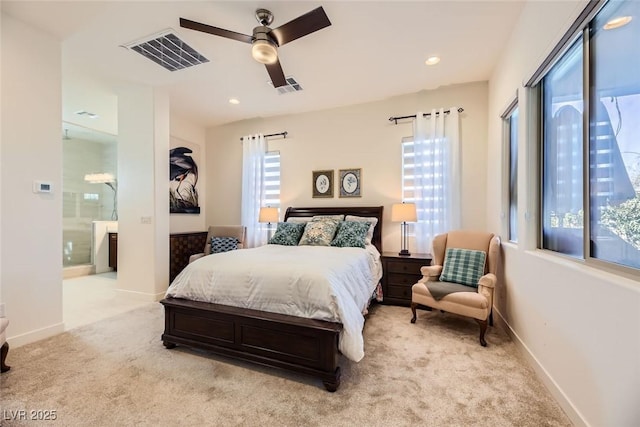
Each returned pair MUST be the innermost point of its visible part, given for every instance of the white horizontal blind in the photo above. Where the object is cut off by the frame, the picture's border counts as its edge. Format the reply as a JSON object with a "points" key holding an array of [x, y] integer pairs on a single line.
{"points": [[412, 181], [272, 179], [408, 170]]}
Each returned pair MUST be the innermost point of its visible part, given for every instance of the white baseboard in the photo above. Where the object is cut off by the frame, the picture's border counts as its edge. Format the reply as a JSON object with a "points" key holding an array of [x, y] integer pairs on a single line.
{"points": [[37, 335], [553, 387], [141, 296]]}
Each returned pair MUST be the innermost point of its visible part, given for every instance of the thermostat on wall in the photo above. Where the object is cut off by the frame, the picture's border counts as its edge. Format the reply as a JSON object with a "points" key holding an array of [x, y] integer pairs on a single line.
{"points": [[42, 187]]}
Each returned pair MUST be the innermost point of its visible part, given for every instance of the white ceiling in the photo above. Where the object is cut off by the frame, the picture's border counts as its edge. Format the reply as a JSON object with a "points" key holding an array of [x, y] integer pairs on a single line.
{"points": [[372, 50]]}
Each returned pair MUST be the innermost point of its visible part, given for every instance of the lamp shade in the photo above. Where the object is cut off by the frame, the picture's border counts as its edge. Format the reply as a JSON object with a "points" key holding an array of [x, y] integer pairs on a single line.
{"points": [[268, 215], [404, 212]]}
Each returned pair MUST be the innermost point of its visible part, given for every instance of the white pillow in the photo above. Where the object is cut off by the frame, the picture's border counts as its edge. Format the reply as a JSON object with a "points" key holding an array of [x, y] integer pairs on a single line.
{"points": [[332, 217], [372, 220], [299, 219]]}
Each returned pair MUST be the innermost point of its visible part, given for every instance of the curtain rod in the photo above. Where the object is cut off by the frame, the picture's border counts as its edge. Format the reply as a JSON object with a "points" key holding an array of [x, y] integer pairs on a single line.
{"points": [[283, 134], [395, 119]]}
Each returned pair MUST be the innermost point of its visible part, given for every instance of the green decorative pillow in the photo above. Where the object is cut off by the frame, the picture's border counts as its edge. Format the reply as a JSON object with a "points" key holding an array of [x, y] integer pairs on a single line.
{"points": [[463, 266], [287, 234], [319, 233], [351, 234]]}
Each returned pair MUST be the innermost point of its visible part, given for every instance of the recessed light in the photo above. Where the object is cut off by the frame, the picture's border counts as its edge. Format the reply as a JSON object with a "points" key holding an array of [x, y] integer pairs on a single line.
{"points": [[617, 22], [432, 60], [87, 113], [234, 101]]}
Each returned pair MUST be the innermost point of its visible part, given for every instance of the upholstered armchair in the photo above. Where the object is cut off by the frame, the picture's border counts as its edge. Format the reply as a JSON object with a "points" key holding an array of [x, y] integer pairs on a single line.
{"points": [[4, 349], [460, 293], [235, 231]]}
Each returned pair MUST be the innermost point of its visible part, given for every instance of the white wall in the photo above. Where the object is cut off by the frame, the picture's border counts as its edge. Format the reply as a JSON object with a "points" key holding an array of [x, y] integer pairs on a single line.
{"points": [[183, 131], [580, 327], [143, 196], [31, 227], [83, 92], [358, 136]]}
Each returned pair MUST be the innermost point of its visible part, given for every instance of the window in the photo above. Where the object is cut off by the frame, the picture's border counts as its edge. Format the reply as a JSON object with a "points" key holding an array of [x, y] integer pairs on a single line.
{"points": [[431, 175], [408, 171], [272, 180], [614, 136], [591, 174], [510, 123], [562, 180]]}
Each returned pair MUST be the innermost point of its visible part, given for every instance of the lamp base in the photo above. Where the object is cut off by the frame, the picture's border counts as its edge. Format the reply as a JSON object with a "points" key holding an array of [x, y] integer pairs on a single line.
{"points": [[404, 252]]}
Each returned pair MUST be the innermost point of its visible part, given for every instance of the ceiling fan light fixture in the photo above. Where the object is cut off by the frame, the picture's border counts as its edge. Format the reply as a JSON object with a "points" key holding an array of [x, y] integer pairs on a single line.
{"points": [[264, 51]]}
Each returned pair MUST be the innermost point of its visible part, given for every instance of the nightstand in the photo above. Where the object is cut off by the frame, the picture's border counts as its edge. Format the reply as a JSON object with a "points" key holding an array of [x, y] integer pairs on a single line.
{"points": [[399, 273]]}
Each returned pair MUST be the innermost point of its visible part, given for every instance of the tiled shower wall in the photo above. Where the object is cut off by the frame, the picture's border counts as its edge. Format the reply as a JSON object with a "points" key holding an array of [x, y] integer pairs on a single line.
{"points": [[84, 202]]}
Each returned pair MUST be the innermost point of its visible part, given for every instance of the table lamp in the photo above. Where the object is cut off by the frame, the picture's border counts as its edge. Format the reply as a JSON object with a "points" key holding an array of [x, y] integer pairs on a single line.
{"points": [[404, 212], [268, 215]]}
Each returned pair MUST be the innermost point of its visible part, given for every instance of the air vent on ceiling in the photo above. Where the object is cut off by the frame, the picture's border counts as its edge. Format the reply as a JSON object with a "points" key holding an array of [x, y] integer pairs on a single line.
{"points": [[291, 86], [166, 49]]}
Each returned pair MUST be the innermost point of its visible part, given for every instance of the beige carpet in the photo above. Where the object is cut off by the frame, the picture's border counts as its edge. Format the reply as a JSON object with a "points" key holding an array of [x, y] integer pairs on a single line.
{"points": [[434, 373]]}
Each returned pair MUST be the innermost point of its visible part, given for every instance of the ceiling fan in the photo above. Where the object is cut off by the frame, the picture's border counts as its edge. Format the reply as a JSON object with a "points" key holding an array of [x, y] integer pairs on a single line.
{"points": [[265, 41]]}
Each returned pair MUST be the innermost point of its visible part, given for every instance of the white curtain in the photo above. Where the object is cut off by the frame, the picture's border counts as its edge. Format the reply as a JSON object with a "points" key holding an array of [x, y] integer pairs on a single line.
{"points": [[437, 172], [253, 188]]}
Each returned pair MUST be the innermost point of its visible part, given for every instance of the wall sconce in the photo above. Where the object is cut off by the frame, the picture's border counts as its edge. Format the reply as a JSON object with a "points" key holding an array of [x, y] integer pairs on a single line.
{"points": [[404, 212]]}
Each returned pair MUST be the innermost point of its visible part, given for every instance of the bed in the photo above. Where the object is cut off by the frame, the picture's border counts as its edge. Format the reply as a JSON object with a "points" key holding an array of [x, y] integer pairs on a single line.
{"points": [[298, 344]]}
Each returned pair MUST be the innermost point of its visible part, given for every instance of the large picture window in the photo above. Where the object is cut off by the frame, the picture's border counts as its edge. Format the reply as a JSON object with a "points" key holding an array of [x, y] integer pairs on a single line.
{"points": [[591, 174]]}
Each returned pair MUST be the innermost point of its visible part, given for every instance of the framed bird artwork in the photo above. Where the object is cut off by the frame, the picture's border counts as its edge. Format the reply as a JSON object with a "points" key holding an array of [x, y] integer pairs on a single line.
{"points": [[183, 179]]}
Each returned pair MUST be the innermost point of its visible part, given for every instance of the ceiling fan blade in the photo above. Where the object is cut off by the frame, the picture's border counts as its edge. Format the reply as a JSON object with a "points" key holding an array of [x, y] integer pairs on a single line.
{"points": [[301, 26], [193, 25], [276, 74]]}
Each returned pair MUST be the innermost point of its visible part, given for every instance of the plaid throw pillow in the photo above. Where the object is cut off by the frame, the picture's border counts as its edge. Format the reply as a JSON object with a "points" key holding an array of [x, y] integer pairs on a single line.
{"points": [[223, 244], [463, 266]]}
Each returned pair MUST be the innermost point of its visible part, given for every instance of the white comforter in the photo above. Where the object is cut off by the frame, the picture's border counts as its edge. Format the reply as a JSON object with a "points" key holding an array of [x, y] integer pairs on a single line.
{"points": [[325, 283]]}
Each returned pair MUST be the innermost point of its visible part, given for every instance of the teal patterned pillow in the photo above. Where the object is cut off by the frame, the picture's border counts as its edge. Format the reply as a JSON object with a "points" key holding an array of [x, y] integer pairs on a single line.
{"points": [[319, 233], [223, 244], [351, 234], [463, 266], [287, 234]]}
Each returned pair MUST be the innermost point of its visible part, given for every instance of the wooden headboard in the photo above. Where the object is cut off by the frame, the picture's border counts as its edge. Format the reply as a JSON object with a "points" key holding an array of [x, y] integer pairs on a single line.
{"points": [[371, 211]]}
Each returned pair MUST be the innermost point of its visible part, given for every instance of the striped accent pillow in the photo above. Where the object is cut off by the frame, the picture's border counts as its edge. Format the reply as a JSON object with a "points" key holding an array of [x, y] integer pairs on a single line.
{"points": [[463, 266]]}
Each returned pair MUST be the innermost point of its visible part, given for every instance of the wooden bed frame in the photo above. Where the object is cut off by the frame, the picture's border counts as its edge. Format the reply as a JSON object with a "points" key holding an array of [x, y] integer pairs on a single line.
{"points": [[292, 343]]}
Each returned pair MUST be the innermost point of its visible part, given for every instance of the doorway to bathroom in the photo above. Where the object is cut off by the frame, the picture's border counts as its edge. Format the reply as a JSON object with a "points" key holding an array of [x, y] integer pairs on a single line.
{"points": [[90, 195]]}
